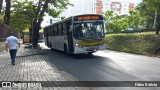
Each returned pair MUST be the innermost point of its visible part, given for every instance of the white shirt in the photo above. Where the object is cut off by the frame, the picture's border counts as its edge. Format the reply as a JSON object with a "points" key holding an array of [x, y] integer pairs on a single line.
{"points": [[12, 42]]}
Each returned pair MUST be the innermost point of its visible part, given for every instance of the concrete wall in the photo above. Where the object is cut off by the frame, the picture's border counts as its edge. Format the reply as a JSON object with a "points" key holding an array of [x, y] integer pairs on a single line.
{"points": [[5, 31], [2, 46]]}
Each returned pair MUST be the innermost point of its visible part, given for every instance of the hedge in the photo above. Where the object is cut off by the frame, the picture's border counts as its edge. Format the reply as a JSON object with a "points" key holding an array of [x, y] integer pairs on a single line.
{"points": [[144, 44]]}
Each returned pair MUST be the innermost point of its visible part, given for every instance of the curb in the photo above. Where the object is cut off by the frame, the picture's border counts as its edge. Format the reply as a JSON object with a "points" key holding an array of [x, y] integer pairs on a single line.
{"points": [[30, 55]]}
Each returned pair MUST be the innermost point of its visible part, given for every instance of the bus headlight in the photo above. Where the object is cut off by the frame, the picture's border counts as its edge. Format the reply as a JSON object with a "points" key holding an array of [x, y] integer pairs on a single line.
{"points": [[76, 44]]}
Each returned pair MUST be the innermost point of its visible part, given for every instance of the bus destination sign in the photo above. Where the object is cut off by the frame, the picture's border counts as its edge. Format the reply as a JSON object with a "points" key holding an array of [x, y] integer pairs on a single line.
{"points": [[84, 18]]}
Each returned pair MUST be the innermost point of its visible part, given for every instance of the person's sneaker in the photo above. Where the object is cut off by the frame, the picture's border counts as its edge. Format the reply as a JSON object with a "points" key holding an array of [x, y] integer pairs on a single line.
{"points": [[13, 63]]}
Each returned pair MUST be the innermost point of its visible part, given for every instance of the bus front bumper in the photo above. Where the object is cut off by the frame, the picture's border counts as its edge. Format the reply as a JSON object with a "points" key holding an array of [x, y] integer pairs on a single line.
{"points": [[86, 50]]}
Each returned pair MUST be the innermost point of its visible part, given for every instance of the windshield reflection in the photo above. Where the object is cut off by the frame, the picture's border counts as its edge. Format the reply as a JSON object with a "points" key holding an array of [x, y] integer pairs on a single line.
{"points": [[88, 30]]}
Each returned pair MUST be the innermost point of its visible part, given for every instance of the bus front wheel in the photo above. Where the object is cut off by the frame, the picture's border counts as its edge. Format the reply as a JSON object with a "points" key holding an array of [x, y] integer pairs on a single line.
{"points": [[90, 53]]}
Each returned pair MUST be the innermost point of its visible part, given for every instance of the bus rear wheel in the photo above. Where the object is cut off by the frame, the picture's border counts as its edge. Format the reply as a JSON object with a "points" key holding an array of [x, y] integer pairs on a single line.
{"points": [[51, 47], [66, 50]]}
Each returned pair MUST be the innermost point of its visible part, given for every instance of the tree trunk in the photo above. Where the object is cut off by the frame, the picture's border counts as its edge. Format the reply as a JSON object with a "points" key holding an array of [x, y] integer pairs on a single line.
{"points": [[157, 28], [35, 35], [157, 31], [36, 25], [1, 3], [7, 12]]}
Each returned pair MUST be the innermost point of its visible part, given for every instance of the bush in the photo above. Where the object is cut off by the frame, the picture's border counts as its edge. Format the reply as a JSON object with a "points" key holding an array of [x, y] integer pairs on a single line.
{"points": [[1, 18], [144, 44]]}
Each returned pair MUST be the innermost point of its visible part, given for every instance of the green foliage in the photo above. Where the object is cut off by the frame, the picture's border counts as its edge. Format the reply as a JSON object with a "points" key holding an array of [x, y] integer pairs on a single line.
{"points": [[119, 23], [55, 8], [146, 15], [147, 11], [108, 14], [24, 13], [144, 44], [1, 18], [18, 22], [143, 16]]}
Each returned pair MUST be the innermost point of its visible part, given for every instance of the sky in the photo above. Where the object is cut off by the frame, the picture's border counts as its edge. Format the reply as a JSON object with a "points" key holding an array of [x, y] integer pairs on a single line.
{"points": [[79, 8]]}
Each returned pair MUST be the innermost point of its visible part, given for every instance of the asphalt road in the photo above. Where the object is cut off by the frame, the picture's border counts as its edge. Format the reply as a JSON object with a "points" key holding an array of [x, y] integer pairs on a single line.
{"points": [[108, 66]]}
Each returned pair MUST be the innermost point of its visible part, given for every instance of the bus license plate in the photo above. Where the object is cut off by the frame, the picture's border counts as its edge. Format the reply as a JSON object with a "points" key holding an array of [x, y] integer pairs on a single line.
{"points": [[91, 49]]}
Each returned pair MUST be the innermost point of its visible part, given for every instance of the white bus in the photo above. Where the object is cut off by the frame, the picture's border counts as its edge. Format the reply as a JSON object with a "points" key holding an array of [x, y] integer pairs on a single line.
{"points": [[81, 34]]}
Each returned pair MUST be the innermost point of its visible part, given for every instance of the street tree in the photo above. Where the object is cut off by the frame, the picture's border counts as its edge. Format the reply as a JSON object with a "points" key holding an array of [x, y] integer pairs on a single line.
{"points": [[152, 7], [52, 7], [108, 16], [145, 14], [117, 23], [7, 12], [22, 15], [37, 9], [1, 3]]}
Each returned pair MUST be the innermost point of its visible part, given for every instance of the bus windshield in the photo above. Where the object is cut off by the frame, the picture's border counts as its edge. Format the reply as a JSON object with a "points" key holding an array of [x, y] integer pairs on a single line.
{"points": [[88, 30]]}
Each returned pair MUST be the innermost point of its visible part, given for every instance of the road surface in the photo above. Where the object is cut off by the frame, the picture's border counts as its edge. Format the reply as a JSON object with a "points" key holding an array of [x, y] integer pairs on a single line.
{"points": [[108, 66]]}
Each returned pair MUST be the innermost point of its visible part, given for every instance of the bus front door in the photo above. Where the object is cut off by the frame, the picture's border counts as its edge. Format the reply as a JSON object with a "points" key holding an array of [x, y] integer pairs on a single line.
{"points": [[70, 38]]}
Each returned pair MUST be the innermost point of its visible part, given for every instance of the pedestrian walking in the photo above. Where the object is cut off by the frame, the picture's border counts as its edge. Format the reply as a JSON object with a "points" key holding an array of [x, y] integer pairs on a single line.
{"points": [[11, 43]]}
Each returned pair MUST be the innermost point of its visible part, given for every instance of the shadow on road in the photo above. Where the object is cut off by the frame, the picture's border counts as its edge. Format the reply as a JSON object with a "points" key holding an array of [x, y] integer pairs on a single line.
{"points": [[82, 66], [78, 56], [100, 66]]}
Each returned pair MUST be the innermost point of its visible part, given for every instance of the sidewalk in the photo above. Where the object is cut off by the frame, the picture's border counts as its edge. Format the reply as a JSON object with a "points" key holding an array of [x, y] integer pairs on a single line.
{"points": [[32, 65]]}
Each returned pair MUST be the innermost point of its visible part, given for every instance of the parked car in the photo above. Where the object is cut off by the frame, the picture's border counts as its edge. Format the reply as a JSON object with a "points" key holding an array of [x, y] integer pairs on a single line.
{"points": [[128, 30]]}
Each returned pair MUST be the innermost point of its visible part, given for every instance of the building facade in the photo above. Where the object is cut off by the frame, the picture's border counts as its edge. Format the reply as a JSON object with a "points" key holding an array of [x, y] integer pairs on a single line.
{"points": [[118, 7], [97, 6]]}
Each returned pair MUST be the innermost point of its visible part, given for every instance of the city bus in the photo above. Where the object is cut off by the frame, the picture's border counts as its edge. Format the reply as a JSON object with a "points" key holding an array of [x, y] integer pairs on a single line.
{"points": [[25, 36], [80, 34]]}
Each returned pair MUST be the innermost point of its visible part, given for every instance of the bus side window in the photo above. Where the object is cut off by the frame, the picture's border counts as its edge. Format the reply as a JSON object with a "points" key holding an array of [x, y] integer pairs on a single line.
{"points": [[61, 29], [51, 31], [55, 29], [64, 29]]}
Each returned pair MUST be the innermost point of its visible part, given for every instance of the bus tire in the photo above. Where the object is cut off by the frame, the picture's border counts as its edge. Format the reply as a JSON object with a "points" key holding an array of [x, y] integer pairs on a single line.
{"points": [[90, 53], [66, 50], [51, 47]]}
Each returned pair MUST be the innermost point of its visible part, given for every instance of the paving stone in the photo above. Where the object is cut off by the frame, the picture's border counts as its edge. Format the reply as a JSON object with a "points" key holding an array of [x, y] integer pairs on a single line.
{"points": [[32, 65]]}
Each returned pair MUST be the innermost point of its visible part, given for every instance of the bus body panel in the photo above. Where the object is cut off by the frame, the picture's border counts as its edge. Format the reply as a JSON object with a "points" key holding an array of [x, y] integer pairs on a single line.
{"points": [[86, 50], [89, 46], [46, 41], [57, 42]]}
